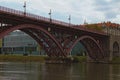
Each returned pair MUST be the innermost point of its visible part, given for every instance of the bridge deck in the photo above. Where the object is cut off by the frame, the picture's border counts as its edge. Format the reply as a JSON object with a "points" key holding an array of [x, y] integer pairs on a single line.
{"points": [[7, 11]]}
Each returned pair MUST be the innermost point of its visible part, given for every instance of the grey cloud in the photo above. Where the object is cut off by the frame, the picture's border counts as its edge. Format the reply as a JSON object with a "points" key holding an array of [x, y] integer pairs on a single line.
{"points": [[108, 8], [102, 5], [110, 15]]}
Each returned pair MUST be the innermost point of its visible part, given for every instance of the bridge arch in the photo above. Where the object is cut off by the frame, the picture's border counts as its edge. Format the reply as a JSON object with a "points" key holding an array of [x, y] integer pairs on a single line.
{"points": [[116, 49], [32, 30], [93, 48]]}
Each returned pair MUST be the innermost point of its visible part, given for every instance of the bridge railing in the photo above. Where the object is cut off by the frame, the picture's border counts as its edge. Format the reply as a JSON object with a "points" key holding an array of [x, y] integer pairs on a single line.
{"points": [[41, 18], [29, 15]]}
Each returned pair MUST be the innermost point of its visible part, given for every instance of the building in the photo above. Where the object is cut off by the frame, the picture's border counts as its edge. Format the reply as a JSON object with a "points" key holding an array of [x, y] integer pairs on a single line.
{"points": [[18, 42]]}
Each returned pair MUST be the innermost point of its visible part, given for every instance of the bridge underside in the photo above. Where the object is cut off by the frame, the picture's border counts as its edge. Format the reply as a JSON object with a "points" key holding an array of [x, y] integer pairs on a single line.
{"points": [[59, 42]]}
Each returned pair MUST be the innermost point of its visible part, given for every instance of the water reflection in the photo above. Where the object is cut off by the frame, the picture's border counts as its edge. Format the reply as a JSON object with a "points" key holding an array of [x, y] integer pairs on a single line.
{"points": [[98, 72], [18, 71], [38, 71]]}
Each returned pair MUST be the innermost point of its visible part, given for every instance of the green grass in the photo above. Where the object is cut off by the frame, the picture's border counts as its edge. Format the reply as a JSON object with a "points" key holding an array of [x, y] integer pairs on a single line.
{"points": [[115, 60], [79, 58], [32, 58], [16, 58]]}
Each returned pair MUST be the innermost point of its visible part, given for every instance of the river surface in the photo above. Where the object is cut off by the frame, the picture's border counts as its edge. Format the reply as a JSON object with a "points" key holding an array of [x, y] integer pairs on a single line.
{"points": [[76, 71]]}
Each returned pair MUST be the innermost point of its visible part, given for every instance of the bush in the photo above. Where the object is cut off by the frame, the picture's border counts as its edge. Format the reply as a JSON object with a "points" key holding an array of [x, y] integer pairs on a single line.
{"points": [[115, 60], [79, 58]]}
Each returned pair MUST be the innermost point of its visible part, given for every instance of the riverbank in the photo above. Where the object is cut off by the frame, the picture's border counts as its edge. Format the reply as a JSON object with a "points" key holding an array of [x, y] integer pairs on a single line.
{"points": [[21, 58], [43, 59], [115, 60]]}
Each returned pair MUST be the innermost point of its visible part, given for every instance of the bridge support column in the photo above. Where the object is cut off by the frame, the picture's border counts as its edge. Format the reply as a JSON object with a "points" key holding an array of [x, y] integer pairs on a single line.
{"points": [[110, 50], [112, 39]]}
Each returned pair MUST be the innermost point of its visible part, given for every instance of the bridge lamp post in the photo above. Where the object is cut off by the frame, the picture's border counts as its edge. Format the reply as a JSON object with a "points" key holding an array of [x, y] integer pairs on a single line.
{"points": [[50, 13], [24, 6], [69, 19]]}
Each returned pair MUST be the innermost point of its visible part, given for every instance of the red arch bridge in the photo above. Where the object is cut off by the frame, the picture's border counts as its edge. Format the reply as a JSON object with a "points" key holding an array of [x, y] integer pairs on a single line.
{"points": [[57, 38]]}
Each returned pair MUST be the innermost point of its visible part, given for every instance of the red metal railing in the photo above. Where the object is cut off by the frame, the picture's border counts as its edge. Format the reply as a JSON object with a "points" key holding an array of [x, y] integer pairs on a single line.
{"points": [[29, 15], [32, 16]]}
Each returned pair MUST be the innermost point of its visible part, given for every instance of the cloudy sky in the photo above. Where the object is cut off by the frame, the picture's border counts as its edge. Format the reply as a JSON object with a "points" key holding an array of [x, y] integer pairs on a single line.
{"points": [[91, 11]]}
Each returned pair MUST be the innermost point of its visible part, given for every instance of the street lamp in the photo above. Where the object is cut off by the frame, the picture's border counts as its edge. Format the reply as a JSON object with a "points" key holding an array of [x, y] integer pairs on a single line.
{"points": [[24, 6], [50, 15], [69, 19]]}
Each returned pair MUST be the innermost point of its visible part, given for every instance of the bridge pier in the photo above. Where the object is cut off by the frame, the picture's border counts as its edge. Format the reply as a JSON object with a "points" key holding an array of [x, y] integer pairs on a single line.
{"points": [[114, 46], [110, 50]]}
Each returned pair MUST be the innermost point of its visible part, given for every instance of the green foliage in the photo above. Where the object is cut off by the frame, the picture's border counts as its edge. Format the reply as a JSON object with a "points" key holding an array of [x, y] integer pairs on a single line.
{"points": [[21, 58], [115, 60], [94, 26], [79, 59]]}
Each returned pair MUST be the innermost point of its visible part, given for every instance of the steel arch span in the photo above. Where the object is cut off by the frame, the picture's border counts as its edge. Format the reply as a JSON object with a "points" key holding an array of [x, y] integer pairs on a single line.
{"points": [[42, 36], [93, 48]]}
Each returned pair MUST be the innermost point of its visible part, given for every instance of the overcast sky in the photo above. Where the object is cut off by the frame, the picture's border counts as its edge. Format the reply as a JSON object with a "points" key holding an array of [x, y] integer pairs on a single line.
{"points": [[91, 11]]}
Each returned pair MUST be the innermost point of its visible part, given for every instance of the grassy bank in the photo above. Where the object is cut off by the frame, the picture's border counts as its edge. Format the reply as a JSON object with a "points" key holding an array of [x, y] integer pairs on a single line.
{"points": [[21, 58], [17, 58], [115, 60], [79, 58]]}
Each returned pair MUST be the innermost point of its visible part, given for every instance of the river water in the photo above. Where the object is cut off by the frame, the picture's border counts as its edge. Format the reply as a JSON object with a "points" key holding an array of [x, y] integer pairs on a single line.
{"points": [[76, 71]]}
